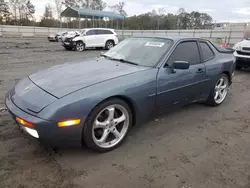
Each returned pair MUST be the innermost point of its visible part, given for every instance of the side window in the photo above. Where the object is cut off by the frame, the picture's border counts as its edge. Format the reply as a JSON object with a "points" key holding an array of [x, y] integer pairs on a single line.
{"points": [[186, 51], [91, 32], [100, 32], [108, 32], [206, 51]]}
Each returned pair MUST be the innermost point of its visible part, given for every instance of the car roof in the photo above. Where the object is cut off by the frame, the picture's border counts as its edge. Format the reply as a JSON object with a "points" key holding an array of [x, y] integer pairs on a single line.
{"points": [[174, 38], [99, 29]]}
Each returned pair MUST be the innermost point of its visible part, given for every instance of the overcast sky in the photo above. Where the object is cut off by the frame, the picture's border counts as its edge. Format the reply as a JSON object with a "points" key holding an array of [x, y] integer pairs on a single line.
{"points": [[220, 10]]}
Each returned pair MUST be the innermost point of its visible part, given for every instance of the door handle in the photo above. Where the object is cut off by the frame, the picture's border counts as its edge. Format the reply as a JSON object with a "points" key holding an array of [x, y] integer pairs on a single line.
{"points": [[200, 71]]}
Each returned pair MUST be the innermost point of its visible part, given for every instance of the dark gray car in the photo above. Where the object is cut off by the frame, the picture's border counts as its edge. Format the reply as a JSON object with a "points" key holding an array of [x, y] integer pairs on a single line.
{"points": [[97, 101]]}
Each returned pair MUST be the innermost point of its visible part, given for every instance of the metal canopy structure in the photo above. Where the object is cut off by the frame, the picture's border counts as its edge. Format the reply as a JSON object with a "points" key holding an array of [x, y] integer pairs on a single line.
{"points": [[89, 13]]}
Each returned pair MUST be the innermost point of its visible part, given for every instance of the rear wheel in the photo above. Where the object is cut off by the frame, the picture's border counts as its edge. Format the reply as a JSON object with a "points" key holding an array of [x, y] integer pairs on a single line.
{"points": [[107, 125], [219, 92], [80, 46], [109, 44]]}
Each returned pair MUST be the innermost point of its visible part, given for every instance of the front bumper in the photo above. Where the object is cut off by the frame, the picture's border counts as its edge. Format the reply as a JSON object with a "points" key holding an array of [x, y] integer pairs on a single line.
{"points": [[69, 44], [49, 133], [242, 59]]}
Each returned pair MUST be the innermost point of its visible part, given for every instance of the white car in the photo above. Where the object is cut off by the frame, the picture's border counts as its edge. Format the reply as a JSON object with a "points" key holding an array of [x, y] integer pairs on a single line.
{"points": [[242, 53], [93, 38]]}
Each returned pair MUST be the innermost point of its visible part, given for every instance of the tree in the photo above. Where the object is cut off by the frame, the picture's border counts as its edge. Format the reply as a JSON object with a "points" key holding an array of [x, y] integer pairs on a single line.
{"points": [[48, 12], [4, 11], [96, 4], [119, 8], [29, 9], [58, 4], [75, 3]]}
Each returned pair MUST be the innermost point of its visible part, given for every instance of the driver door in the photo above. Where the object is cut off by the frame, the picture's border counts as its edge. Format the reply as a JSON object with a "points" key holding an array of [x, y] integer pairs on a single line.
{"points": [[181, 86]]}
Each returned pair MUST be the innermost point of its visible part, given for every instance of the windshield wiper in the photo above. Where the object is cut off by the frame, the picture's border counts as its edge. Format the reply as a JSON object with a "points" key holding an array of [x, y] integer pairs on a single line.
{"points": [[126, 61], [108, 57], [121, 60]]}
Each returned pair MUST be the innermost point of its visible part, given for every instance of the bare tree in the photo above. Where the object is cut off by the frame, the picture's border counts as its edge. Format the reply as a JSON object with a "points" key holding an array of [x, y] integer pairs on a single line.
{"points": [[98, 5], [58, 4], [48, 12], [119, 8]]}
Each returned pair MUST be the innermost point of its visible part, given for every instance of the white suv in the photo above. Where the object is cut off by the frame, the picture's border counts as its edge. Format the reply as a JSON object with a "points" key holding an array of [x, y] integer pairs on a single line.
{"points": [[95, 37], [242, 53]]}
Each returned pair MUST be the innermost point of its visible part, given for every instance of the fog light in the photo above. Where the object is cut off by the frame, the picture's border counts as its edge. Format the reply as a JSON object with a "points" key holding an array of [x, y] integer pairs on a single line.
{"points": [[32, 132], [68, 123]]}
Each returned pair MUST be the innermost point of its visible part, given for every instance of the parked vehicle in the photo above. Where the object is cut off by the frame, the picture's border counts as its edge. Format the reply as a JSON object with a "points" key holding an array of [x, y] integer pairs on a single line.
{"points": [[56, 37], [242, 53], [92, 38], [98, 101]]}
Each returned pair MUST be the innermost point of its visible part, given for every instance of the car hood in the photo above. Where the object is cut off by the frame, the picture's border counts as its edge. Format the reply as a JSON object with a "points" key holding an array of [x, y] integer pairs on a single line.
{"points": [[64, 79], [244, 43]]}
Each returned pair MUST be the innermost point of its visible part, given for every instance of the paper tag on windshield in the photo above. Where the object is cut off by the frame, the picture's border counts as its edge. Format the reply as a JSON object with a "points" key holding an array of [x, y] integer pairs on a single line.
{"points": [[155, 44]]}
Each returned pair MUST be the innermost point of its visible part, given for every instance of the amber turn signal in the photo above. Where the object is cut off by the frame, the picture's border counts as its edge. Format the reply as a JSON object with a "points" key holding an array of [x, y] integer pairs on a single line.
{"points": [[68, 123], [25, 123]]}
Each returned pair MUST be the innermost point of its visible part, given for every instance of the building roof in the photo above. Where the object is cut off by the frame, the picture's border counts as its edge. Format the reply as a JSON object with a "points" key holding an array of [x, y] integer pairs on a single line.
{"points": [[89, 13]]}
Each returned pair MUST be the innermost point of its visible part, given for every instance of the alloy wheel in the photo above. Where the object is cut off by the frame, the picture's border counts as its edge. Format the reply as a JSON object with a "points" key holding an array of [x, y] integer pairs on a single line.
{"points": [[221, 90], [79, 46], [110, 126], [110, 45]]}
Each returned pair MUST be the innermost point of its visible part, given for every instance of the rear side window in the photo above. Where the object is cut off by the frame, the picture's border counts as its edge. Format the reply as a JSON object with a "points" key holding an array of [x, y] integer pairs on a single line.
{"points": [[206, 51], [108, 32], [186, 51], [103, 32], [91, 32]]}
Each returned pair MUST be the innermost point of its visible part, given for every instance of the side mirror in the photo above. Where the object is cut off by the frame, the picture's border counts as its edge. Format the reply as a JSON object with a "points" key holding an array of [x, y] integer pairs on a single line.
{"points": [[182, 65]]}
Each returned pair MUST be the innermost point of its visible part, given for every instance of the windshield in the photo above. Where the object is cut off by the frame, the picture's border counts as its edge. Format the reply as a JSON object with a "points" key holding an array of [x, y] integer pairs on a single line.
{"points": [[141, 51]]}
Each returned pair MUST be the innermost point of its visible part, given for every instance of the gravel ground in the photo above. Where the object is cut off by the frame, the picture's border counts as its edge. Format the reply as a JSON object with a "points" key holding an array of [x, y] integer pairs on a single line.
{"points": [[194, 147]]}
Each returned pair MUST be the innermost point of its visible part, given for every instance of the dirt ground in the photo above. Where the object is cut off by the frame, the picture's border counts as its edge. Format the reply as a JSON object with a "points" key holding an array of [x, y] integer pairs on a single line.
{"points": [[194, 147]]}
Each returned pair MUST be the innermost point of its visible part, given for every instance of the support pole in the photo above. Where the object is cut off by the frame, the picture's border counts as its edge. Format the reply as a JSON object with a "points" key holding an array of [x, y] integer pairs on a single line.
{"points": [[86, 22], [79, 17], [93, 22]]}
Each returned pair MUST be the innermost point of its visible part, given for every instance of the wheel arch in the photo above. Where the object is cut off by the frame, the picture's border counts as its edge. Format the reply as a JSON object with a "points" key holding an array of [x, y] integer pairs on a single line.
{"points": [[128, 101], [228, 75], [110, 40]]}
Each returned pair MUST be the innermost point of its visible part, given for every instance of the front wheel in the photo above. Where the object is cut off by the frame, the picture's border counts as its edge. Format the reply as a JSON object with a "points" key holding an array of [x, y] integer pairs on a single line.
{"points": [[219, 92], [107, 125], [80, 46]]}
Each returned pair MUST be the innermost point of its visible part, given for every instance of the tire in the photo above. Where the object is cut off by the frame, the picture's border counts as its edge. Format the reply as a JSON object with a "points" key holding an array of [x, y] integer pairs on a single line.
{"points": [[94, 133], [214, 98], [80, 46], [68, 48], [109, 44]]}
